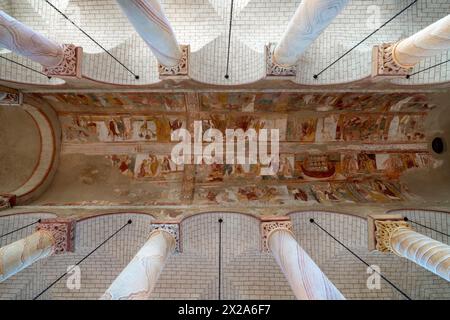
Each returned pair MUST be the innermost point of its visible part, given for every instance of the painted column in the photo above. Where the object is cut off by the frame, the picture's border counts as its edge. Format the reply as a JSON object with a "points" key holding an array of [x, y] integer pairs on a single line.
{"points": [[306, 279], [137, 280], [397, 59], [392, 234], [308, 22], [59, 60], [19, 38], [151, 24], [53, 236], [22, 253]]}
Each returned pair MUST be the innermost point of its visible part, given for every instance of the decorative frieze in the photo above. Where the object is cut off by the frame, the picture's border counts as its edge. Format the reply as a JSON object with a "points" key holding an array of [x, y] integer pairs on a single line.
{"points": [[178, 71], [63, 231], [384, 63], [11, 99], [267, 227], [70, 65], [171, 228], [273, 69]]}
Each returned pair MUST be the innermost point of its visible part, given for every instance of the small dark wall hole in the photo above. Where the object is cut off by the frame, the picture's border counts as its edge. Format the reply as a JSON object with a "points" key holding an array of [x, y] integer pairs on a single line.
{"points": [[438, 145]]}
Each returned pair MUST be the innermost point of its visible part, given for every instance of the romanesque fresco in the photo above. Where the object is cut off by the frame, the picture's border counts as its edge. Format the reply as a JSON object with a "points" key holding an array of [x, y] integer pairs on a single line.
{"points": [[333, 166], [119, 128], [364, 191], [147, 166], [160, 102], [289, 101], [334, 147]]}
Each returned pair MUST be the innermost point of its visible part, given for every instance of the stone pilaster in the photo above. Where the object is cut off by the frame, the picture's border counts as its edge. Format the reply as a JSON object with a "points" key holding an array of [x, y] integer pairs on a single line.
{"points": [[63, 232], [178, 71]]}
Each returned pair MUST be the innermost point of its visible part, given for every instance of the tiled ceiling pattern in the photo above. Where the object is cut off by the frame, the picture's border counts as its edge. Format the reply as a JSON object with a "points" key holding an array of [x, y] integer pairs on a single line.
{"points": [[204, 25]]}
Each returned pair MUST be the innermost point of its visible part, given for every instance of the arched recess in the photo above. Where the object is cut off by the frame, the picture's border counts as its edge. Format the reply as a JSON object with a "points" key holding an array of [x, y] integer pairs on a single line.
{"points": [[348, 273], [97, 272], [47, 123], [246, 272]]}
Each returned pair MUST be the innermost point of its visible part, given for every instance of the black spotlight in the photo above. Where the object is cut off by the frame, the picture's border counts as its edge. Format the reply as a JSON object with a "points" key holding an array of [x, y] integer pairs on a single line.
{"points": [[437, 145]]}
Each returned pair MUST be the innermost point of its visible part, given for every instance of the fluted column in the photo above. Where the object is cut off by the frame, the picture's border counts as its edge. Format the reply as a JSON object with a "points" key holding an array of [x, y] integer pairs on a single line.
{"points": [[137, 280], [59, 60], [52, 236], [308, 22], [306, 279], [397, 59], [151, 24], [392, 234]]}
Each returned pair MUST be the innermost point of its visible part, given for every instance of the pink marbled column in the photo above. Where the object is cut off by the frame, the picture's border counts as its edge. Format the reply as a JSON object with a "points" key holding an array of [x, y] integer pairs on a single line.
{"points": [[309, 21], [137, 280], [150, 22], [307, 281], [22, 253], [17, 37]]}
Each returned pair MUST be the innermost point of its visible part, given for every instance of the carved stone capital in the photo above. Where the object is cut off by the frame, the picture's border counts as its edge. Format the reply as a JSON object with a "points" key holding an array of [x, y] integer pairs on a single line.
{"points": [[179, 71], [381, 228], [384, 63], [171, 228], [11, 99], [7, 201], [269, 226], [273, 69], [63, 231], [70, 65]]}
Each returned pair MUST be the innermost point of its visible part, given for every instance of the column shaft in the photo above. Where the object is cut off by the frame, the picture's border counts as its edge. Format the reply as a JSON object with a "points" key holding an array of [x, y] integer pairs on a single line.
{"points": [[17, 37], [307, 281], [425, 43], [308, 22], [426, 252], [22, 253], [139, 277], [151, 24]]}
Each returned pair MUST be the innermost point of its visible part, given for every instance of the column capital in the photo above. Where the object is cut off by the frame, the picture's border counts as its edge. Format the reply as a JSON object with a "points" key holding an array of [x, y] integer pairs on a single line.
{"points": [[11, 99], [7, 201], [271, 224], [381, 228], [384, 63], [275, 70], [63, 231], [173, 229], [70, 65], [180, 70]]}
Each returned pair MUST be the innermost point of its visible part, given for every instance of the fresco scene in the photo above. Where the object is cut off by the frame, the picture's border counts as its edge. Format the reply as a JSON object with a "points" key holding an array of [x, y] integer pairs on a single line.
{"points": [[334, 147]]}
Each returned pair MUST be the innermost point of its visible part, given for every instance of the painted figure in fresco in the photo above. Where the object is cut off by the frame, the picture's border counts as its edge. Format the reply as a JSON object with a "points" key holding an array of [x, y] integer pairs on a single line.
{"points": [[350, 165], [145, 132], [125, 166], [286, 170], [165, 166], [299, 194], [367, 162], [216, 173]]}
